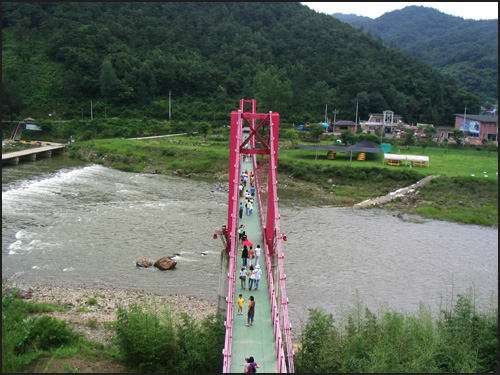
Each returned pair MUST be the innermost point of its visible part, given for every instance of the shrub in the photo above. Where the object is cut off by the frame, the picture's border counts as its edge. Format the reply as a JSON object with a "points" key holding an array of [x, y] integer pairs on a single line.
{"points": [[91, 302], [167, 152], [48, 332], [149, 341], [146, 339], [461, 340], [300, 170]]}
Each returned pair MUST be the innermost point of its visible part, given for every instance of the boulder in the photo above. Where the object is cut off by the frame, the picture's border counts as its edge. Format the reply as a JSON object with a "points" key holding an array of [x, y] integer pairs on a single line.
{"points": [[143, 262], [165, 263]]}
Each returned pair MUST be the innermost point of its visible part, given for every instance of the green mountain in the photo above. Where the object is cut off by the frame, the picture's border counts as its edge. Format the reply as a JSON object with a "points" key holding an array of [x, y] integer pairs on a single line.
{"points": [[466, 50], [127, 57]]}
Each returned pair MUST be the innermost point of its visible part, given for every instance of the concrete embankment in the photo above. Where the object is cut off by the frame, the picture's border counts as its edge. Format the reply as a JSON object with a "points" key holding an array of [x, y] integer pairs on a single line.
{"points": [[395, 194]]}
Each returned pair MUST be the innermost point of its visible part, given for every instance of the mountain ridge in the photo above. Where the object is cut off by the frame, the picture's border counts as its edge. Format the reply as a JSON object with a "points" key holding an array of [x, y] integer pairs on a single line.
{"points": [[458, 47]]}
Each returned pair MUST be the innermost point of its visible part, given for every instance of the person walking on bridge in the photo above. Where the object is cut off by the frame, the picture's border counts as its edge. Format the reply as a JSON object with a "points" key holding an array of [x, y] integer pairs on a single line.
{"points": [[251, 366], [241, 301], [251, 253], [251, 312], [243, 277], [258, 275], [251, 277], [240, 231], [244, 255], [241, 210], [257, 255]]}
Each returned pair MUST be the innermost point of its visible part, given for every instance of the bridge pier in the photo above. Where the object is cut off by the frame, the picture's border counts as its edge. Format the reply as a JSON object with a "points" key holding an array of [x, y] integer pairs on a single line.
{"points": [[46, 154], [31, 157], [223, 283], [13, 161]]}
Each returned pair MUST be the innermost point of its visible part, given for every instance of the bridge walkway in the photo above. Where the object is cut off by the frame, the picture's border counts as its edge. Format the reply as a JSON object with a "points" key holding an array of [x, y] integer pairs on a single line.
{"points": [[258, 340]]}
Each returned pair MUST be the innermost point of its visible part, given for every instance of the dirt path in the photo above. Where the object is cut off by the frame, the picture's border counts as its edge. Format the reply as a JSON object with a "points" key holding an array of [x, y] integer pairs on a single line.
{"points": [[395, 194]]}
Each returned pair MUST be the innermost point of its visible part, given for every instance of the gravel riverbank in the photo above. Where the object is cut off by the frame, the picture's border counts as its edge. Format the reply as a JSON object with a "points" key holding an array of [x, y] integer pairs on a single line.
{"points": [[93, 319]]}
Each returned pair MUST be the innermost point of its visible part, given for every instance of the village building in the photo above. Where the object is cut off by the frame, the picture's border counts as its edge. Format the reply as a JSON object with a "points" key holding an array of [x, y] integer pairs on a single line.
{"points": [[340, 126], [477, 127], [387, 120]]}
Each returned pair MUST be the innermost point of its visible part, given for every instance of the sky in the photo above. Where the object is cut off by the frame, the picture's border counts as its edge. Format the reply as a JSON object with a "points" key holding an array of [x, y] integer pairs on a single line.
{"points": [[468, 10]]}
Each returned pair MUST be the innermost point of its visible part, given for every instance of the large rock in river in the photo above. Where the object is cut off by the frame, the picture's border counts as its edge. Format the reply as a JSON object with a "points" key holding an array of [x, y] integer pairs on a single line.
{"points": [[143, 262], [165, 263]]}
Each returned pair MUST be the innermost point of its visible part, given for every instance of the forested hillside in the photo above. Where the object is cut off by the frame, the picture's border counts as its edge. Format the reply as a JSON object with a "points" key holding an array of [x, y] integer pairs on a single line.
{"points": [[464, 49], [126, 57]]}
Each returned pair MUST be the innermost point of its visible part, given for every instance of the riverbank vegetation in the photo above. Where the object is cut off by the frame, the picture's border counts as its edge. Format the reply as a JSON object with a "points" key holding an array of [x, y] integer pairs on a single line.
{"points": [[456, 196], [460, 340], [147, 338]]}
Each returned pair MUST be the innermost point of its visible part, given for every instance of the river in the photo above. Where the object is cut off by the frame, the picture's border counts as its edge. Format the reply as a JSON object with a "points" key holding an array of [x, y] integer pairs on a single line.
{"points": [[66, 222]]}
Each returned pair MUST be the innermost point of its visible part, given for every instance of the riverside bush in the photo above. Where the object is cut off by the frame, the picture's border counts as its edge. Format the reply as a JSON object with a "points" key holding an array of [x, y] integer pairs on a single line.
{"points": [[460, 340], [150, 341], [48, 332], [22, 335]]}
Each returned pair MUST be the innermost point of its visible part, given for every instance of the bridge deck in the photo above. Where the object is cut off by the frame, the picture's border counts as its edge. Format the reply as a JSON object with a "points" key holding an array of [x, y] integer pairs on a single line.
{"points": [[258, 340], [33, 151]]}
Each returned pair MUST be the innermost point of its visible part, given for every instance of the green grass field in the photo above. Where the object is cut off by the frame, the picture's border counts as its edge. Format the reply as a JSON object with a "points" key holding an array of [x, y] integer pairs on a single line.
{"points": [[449, 163]]}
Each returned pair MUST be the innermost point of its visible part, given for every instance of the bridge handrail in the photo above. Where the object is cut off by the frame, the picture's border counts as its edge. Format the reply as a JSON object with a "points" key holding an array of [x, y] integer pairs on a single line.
{"points": [[275, 308], [233, 241]]}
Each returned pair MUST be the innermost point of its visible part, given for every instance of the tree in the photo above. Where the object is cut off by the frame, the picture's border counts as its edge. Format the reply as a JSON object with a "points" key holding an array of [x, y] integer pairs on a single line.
{"points": [[108, 80], [271, 92], [459, 136], [428, 130], [490, 145], [317, 131], [347, 137], [409, 140], [203, 128], [12, 98], [292, 136]]}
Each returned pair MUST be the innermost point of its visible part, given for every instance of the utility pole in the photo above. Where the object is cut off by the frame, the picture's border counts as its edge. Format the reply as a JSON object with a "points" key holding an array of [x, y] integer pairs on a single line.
{"points": [[326, 107], [465, 118], [169, 105], [334, 118], [356, 117]]}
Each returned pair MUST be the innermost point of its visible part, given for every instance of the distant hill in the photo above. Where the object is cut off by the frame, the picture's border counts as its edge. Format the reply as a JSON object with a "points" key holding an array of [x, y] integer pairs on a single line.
{"points": [[466, 50], [127, 57]]}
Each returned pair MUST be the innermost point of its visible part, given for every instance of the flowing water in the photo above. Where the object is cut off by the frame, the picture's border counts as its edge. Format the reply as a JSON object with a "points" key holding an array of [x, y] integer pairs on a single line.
{"points": [[65, 222]]}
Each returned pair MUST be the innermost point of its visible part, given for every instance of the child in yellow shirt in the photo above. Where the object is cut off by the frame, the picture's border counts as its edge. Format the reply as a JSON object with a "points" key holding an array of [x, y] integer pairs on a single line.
{"points": [[240, 301]]}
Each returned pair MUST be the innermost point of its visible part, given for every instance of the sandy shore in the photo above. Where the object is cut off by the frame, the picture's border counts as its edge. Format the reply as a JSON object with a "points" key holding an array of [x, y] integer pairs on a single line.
{"points": [[92, 320]]}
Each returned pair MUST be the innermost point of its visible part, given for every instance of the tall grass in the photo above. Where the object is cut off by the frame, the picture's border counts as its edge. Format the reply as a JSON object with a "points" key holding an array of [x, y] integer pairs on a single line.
{"points": [[149, 340], [460, 340]]}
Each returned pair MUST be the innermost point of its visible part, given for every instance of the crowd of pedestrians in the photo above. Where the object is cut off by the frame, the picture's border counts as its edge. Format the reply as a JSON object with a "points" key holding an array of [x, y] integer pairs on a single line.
{"points": [[250, 258]]}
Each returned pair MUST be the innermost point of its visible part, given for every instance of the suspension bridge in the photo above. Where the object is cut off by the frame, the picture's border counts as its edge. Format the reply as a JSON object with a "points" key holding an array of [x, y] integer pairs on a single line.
{"points": [[268, 340]]}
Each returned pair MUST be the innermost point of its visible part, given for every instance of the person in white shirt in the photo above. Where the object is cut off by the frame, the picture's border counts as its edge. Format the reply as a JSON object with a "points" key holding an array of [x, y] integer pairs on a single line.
{"points": [[257, 276], [257, 254]]}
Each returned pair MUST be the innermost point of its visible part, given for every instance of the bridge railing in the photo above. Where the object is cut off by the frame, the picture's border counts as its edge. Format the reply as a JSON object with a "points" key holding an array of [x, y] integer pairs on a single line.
{"points": [[227, 351], [233, 252], [277, 290]]}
